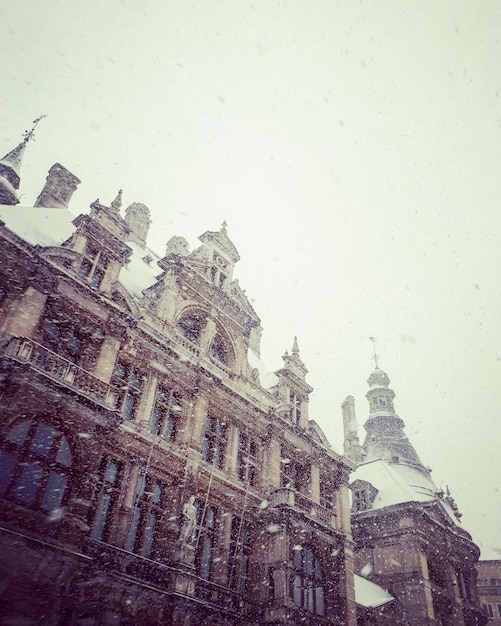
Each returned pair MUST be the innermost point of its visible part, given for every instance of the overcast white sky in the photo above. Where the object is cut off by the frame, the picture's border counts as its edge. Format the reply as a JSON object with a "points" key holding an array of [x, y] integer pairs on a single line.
{"points": [[353, 147]]}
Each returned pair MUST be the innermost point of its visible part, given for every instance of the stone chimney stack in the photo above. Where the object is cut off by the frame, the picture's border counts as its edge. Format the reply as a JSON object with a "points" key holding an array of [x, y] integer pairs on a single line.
{"points": [[351, 441], [59, 186], [137, 216]]}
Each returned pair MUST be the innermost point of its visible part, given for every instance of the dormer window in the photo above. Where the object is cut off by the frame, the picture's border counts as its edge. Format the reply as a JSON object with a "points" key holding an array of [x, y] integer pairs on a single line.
{"points": [[93, 266], [363, 495]]}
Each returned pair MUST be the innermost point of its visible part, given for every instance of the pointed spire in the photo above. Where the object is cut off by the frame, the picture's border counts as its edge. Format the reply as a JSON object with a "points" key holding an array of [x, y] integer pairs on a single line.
{"points": [[10, 168], [385, 438], [295, 348], [117, 202]]}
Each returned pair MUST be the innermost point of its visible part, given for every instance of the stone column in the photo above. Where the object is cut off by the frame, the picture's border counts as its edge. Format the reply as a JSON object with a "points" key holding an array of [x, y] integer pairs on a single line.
{"points": [[25, 313], [107, 358]]}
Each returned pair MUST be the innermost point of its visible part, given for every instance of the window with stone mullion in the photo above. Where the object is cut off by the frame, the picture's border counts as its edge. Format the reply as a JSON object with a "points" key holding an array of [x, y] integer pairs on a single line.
{"points": [[166, 413], [214, 442], [206, 537], [107, 499], [35, 465], [307, 585], [247, 460], [129, 381], [146, 513]]}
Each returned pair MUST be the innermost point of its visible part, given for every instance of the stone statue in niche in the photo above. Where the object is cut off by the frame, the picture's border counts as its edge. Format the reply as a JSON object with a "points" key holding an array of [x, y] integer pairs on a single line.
{"points": [[188, 523]]}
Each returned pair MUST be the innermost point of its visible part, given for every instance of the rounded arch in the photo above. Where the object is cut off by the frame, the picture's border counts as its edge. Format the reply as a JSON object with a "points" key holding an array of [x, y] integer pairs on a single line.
{"points": [[222, 348], [191, 321], [37, 461]]}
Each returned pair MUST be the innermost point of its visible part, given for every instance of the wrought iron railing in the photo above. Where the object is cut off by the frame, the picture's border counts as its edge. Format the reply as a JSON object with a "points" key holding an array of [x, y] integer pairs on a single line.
{"points": [[58, 368], [291, 498], [165, 577]]}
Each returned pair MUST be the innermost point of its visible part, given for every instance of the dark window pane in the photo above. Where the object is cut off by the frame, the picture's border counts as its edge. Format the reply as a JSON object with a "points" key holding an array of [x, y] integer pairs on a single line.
{"points": [[54, 492], [43, 440], [64, 453], [149, 533], [101, 516], [28, 483], [7, 464], [18, 433], [134, 525]]}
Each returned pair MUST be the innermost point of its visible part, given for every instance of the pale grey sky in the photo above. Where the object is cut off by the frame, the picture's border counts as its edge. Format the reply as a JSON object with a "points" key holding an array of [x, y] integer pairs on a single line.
{"points": [[353, 149]]}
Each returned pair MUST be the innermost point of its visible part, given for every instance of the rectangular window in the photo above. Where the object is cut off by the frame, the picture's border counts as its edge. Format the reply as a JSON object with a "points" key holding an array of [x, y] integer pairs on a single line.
{"points": [[107, 499], [147, 510], [239, 555], [489, 610], [206, 527], [93, 266], [326, 492], [295, 413], [214, 443], [129, 381], [166, 414], [247, 461]]}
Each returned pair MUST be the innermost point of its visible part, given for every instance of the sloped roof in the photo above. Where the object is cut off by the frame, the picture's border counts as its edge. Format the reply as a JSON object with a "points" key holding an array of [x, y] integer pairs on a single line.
{"points": [[370, 595], [39, 226], [397, 483]]}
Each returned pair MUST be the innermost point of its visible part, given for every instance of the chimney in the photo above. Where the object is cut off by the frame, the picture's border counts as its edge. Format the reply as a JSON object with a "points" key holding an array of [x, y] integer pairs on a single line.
{"points": [[137, 216], [59, 186], [351, 441]]}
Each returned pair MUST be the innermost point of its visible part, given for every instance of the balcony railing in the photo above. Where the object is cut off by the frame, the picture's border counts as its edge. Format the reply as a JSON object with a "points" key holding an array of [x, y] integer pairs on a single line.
{"points": [[60, 369], [164, 577], [286, 497]]}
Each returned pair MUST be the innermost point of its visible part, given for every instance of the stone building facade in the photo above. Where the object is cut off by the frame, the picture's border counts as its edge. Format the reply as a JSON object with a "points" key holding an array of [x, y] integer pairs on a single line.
{"points": [[152, 472], [407, 532], [489, 589]]}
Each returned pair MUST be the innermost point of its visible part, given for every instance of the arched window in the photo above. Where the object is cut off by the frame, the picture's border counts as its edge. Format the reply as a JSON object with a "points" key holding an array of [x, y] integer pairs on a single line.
{"points": [[307, 589], [191, 325], [219, 350], [35, 462]]}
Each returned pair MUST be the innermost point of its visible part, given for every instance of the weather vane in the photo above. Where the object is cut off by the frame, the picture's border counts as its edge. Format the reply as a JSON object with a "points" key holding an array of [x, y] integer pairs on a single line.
{"points": [[375, 357], [30, 134]]}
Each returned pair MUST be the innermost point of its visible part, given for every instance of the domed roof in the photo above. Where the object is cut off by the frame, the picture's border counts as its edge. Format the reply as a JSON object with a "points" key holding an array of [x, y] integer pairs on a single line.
{"points": [[378, 378]]}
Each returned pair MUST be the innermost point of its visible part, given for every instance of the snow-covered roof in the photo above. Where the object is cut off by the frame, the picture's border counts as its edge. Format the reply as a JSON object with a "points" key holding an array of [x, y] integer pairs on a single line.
{"points": [[39, 225], [138, 274], [267, 379], [397, 483], [370, 595]]}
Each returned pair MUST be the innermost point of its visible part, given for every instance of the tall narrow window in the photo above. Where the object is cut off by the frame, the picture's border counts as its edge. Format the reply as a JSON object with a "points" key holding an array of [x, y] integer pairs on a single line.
{"points": [[307, 589], [247, 461], [166, 414], [206, 527], [146, 513], [326, 492], [239, 555], [296, 409], [130, 382], [107, 498], [214, 443], [92, 266], [35, 462]]}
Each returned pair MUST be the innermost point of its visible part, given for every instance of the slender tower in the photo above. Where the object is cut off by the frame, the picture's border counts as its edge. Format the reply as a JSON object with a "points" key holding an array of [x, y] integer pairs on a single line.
{"points": [[10, 167]]}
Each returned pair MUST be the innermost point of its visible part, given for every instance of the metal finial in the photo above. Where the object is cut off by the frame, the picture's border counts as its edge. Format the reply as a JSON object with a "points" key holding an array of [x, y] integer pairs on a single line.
{"points": [[30, 134], [375, 356], [223, 227]]}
